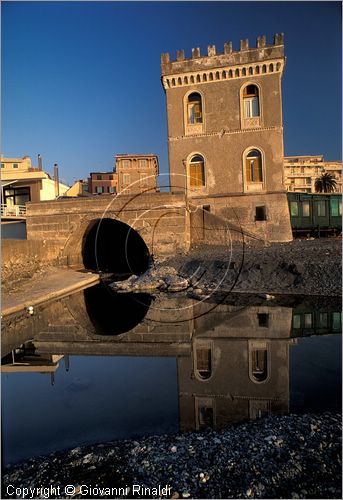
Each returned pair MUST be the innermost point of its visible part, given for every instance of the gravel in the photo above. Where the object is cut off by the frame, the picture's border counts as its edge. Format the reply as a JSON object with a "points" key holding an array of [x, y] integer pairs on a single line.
{"points": [[304, 267], [295, 456]]}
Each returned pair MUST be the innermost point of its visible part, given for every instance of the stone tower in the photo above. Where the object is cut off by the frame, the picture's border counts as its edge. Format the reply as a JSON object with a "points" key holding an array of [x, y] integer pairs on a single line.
{"points": [[225, 133]]}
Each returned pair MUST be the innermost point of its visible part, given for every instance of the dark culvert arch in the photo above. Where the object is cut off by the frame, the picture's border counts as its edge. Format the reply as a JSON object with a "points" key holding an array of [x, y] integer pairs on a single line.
{"points": [[115, 313], [112, 246]]}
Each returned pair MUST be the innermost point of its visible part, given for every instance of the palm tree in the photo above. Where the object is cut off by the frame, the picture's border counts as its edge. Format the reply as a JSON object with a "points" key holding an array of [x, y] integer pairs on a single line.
{"points": [[325, 183]]}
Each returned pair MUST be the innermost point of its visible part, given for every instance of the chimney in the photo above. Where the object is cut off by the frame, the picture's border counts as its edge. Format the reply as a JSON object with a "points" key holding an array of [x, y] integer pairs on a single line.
{"points": [[57, 182], [40, 167]]}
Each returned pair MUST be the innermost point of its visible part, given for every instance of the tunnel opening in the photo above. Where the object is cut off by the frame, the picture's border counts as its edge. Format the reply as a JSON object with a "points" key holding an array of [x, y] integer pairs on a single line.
{"points": [[114, 313], [111, 246]]}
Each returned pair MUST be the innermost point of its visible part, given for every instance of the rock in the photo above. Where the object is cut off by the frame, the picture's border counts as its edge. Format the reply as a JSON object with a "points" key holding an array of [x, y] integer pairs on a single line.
{"points": [[173, 449]]}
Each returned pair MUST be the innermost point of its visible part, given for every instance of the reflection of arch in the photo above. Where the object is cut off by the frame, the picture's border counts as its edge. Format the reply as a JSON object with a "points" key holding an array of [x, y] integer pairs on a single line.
{"points": [[114, 313], [202, 359], [259, 361], [110, 245]]}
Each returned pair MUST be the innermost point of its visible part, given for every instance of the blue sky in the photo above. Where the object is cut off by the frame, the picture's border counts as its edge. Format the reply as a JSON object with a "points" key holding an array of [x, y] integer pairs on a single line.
{"points": [[81, 80]]}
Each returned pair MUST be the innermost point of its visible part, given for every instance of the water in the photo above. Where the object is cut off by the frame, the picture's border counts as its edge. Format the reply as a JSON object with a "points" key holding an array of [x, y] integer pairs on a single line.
{"points": [[98, 366]]}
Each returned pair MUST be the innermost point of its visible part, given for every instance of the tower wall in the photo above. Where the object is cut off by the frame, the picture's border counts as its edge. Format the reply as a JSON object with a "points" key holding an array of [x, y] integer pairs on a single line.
{"points": [[226, 133]]}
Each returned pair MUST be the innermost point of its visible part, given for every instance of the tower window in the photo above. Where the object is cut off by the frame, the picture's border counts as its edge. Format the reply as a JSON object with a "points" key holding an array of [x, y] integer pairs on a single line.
{"points": [[263, 320], [203, 362], [194, 109], [251, 101], [260, 213], [259, 364], [196, 171], [253, 166]]}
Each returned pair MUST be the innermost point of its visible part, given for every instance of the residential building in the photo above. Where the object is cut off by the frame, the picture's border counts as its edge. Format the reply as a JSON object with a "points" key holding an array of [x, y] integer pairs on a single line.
{"points": [[103, 183], [20, 182], [79, 188], [137, 173], [301, 172], [225, 133]]}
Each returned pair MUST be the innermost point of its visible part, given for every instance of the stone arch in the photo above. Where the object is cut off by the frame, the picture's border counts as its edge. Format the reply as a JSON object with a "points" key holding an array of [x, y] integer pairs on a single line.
{"points": [[198, 79], [107, 245]]}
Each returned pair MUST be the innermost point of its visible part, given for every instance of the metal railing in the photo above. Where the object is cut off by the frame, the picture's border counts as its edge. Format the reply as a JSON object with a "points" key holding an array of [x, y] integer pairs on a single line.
{"points": [[13, 211]]}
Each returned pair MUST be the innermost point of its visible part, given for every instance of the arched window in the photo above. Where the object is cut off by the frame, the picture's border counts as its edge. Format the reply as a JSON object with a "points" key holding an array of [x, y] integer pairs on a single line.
{"points": [[251, 101], [194, 109], [197, 171], [253, 166]]}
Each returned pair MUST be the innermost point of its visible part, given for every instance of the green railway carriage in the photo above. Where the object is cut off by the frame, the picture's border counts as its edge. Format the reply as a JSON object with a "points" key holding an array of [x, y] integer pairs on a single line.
{"points": [[315, 213]]}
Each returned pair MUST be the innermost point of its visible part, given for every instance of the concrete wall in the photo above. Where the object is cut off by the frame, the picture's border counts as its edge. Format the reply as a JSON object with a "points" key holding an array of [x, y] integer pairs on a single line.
{"points": [[159, 218], [240, 210]]}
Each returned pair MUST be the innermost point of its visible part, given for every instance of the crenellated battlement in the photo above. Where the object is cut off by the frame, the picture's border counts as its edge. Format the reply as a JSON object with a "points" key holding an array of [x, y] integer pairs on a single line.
{"points": [[245, 55]]}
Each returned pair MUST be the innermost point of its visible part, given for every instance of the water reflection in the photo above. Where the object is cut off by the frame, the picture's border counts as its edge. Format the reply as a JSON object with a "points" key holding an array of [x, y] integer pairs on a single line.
{"points": [[130, 374], [112, 313]]}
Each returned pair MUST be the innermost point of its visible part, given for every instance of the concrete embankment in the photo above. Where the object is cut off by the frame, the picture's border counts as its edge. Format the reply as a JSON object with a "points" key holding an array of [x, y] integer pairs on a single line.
{"points": [[49, 285]]}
